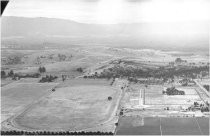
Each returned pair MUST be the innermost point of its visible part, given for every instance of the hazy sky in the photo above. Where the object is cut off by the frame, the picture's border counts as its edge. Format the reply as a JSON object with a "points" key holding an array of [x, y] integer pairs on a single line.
{"points": [[113, 11]]}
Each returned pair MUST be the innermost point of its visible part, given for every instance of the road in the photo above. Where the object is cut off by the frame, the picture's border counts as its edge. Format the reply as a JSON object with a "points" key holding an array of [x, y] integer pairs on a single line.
{"points": [[202, 88]]}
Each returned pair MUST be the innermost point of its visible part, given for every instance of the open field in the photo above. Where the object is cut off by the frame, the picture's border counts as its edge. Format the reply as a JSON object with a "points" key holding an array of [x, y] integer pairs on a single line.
{"points": [[163, 126], [6, 81], [75, 105], [17, 95], [154, 96]]}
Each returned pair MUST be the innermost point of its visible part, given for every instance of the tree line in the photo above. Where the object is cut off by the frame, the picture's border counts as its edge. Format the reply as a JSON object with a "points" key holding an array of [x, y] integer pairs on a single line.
{"points": [[18, 76], [14, 132]]}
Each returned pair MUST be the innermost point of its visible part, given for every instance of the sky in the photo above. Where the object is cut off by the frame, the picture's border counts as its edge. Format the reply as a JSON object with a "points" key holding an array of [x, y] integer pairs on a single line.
{"points": [[113, 11]]}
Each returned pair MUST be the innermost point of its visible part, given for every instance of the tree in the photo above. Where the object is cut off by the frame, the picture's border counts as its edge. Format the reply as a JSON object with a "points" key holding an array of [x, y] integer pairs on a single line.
{"points": [[63, 77], [42, 69], [109, 98], [3, 74], [80, 69], [178, 60], [11, 73]]}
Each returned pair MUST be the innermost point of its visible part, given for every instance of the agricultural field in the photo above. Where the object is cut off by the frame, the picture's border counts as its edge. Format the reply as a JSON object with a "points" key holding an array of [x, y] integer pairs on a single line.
{"points": [[77, 104], [163, 126]]}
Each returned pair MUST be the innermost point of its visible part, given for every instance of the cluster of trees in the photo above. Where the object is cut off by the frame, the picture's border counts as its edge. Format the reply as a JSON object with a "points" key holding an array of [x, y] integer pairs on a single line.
{"points": [[61, 57], [173, 91], [202, 107], [145, 81], [186, 82], [206, 87], [14, 132], [42, 69], [11, 73], [5, 75], [116, 72], [167, 108], [158, 73], [189, 72], [121, 112], [132, 79], [179, 60], [48, 79], [80, 69]]}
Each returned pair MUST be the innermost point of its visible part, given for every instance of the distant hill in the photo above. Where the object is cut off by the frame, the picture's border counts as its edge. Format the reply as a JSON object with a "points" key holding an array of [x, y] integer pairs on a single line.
{"points": [[165, 36]]}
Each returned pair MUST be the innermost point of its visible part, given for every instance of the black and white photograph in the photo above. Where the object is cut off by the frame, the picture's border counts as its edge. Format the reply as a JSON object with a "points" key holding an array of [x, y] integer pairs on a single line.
{"points": [[105, 67]]}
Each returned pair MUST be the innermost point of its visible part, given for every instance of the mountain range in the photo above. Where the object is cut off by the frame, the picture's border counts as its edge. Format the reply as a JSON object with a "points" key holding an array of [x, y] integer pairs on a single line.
{"points": [[187, 36]]}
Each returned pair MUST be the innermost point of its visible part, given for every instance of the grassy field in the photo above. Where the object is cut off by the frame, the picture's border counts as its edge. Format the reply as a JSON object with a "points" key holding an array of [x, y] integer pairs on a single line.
{"points": [[17, 95], [154, 96], [75, 105]]}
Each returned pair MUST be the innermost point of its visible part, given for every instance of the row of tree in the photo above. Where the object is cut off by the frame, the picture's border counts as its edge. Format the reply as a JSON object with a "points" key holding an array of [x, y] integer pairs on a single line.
{"points": [[14, 132], [17, 76]]}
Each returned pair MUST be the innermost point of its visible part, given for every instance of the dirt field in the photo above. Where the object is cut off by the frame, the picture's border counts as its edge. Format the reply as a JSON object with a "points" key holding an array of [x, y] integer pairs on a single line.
{"points": [[17, 95], [76, 105]]}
